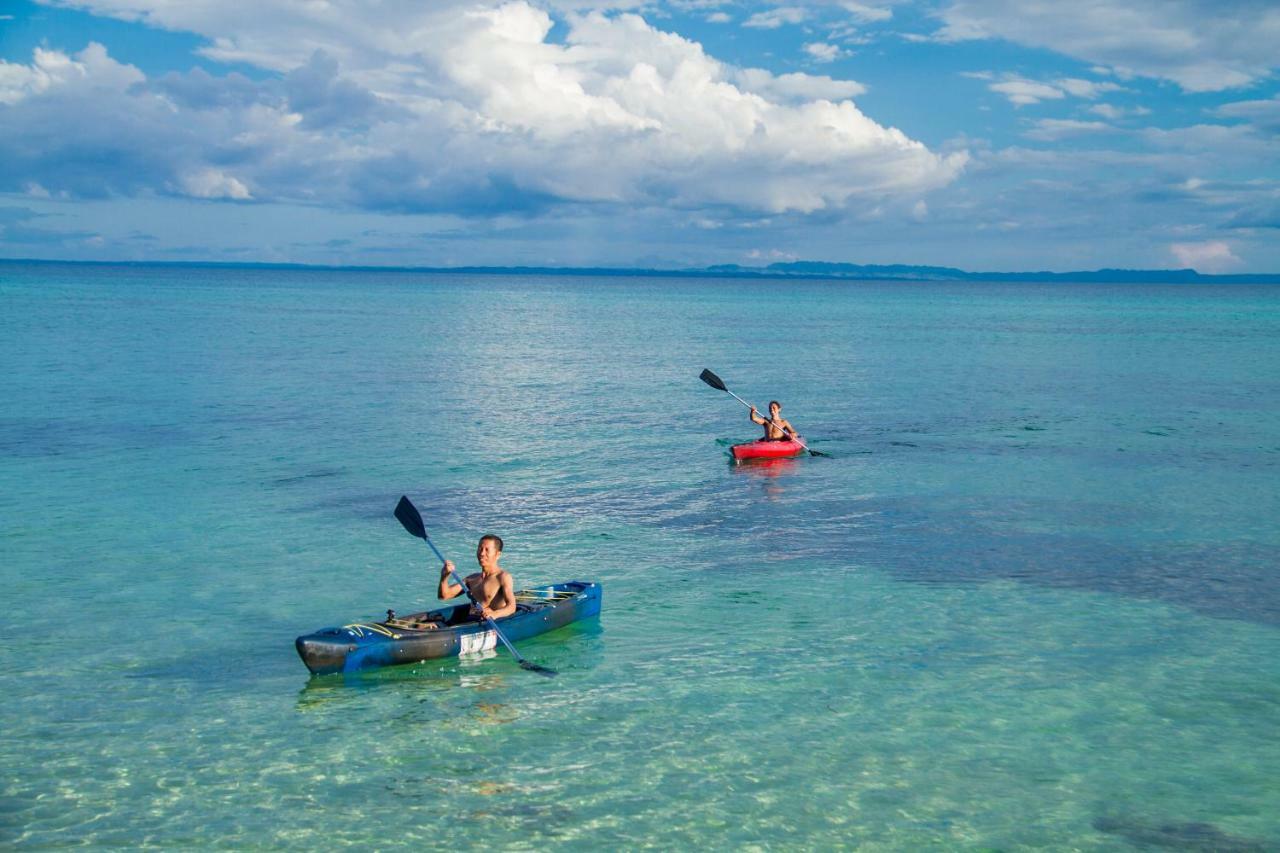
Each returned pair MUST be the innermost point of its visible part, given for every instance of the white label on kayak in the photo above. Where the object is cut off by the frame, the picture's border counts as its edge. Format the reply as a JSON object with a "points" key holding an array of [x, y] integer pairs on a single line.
{"points": [[480, 641]]}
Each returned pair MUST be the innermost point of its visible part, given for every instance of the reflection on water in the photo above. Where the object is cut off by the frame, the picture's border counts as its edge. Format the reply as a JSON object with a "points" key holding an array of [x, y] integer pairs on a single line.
{"points": [[765, 467], [770, 473]]}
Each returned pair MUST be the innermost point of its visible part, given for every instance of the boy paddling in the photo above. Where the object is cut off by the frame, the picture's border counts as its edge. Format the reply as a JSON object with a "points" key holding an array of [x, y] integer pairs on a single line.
{"points": [[491, 587], [775, 428]]}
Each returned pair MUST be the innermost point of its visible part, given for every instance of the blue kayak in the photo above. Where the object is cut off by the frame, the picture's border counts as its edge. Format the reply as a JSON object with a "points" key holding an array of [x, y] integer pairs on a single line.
{"points": [[447, 632]]}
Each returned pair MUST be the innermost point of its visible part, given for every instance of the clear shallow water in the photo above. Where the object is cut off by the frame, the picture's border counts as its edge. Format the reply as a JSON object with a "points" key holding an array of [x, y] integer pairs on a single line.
{"points": [[1031, 600]]}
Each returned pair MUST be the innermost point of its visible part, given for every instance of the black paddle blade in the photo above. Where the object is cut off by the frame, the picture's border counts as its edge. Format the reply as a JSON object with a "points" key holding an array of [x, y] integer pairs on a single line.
{"points": [[813, 452], [541, 670], [407, 514], [711, 379]]}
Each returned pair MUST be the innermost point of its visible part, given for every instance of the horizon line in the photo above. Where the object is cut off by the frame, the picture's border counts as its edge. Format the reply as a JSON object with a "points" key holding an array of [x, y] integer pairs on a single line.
{"points": [[820, 270]]}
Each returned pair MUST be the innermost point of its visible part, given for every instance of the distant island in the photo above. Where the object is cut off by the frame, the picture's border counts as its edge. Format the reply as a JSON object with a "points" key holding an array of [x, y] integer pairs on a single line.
{"points": [[790, 270], [909, 272]]}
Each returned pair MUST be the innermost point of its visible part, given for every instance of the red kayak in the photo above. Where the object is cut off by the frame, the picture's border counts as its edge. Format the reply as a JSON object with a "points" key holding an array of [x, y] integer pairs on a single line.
{"points": [[761, 449]]}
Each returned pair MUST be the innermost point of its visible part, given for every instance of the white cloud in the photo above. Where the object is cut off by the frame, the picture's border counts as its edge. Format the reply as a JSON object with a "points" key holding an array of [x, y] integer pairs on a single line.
{"points": [[1088, 89], [1202, 45], [1264, 113], [212, 183], [771, 255], [1240, 145], [91, 68], [718, 18], [1051, 130], [1210, 256], [795, 87], [867, 13], [1022, 92], [822, 52], [451, 106], [772, 19], [1112, 112]]}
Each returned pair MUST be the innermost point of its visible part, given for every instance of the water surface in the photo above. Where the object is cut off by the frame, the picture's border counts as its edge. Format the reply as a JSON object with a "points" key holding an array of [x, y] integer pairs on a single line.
{"points": [[1030, 600]]}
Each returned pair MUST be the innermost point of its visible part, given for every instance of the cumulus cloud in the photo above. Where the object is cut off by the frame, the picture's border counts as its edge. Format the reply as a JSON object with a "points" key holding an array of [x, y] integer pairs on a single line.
{"points": [[89, 70], [1202, 45], [1209, 256], [450, 106], [212, 183], [823, 52]]}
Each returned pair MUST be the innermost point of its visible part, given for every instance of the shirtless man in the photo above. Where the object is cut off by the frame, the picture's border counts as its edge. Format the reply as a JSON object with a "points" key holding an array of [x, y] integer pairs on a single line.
{"points": [[775, 428], [490, 587]]}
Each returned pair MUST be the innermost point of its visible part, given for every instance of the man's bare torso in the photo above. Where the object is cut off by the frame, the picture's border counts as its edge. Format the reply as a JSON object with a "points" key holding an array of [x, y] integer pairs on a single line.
{"points": [[774, 430], [488, 589]]}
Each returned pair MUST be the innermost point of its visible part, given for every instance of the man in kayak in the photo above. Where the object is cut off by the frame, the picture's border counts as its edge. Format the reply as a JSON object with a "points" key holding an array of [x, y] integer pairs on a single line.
{"points": [[491, 587], [775, 428]]}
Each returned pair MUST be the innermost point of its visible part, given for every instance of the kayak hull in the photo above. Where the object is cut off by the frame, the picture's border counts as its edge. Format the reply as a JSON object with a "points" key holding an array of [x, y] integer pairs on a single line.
{"points": [[366, 645], [761, 449]]}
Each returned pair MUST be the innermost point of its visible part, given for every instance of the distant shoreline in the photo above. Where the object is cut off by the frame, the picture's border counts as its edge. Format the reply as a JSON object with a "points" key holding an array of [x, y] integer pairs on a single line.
{"points": [[798, 270]]}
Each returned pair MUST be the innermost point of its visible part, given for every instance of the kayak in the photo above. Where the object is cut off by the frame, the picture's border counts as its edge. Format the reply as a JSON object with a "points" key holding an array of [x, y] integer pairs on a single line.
{"points": [[446, 632], [761, 449]]}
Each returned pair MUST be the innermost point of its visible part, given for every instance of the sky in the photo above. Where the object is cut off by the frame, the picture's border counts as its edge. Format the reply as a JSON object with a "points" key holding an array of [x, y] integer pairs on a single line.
{"points": [[992, 135]]}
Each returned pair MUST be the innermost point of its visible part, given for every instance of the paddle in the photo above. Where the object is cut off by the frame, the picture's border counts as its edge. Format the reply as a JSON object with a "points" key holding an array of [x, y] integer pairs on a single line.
{"points": [[407, 514], [716, 382]]}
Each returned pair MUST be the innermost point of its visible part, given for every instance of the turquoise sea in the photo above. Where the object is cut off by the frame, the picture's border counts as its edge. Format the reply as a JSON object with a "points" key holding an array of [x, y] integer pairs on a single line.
{"points": [[1032, 599]]}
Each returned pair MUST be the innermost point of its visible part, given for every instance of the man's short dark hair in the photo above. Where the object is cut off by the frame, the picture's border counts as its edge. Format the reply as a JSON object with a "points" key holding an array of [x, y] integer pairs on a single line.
{"points": [[497, 540], [773, 403]]}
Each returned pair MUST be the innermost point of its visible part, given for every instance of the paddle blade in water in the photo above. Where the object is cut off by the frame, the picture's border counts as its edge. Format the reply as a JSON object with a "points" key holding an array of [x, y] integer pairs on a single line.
{"points": [[711, 379], [407, 514], [541, 670]]}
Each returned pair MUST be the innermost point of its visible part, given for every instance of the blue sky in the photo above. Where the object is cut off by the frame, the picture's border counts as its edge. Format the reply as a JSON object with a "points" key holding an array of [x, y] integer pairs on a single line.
{"points": [[985, 134]]}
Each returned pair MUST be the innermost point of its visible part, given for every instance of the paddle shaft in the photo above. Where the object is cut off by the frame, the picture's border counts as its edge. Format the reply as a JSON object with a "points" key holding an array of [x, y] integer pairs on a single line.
{"points": [[453, 576], [771, 420]]}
